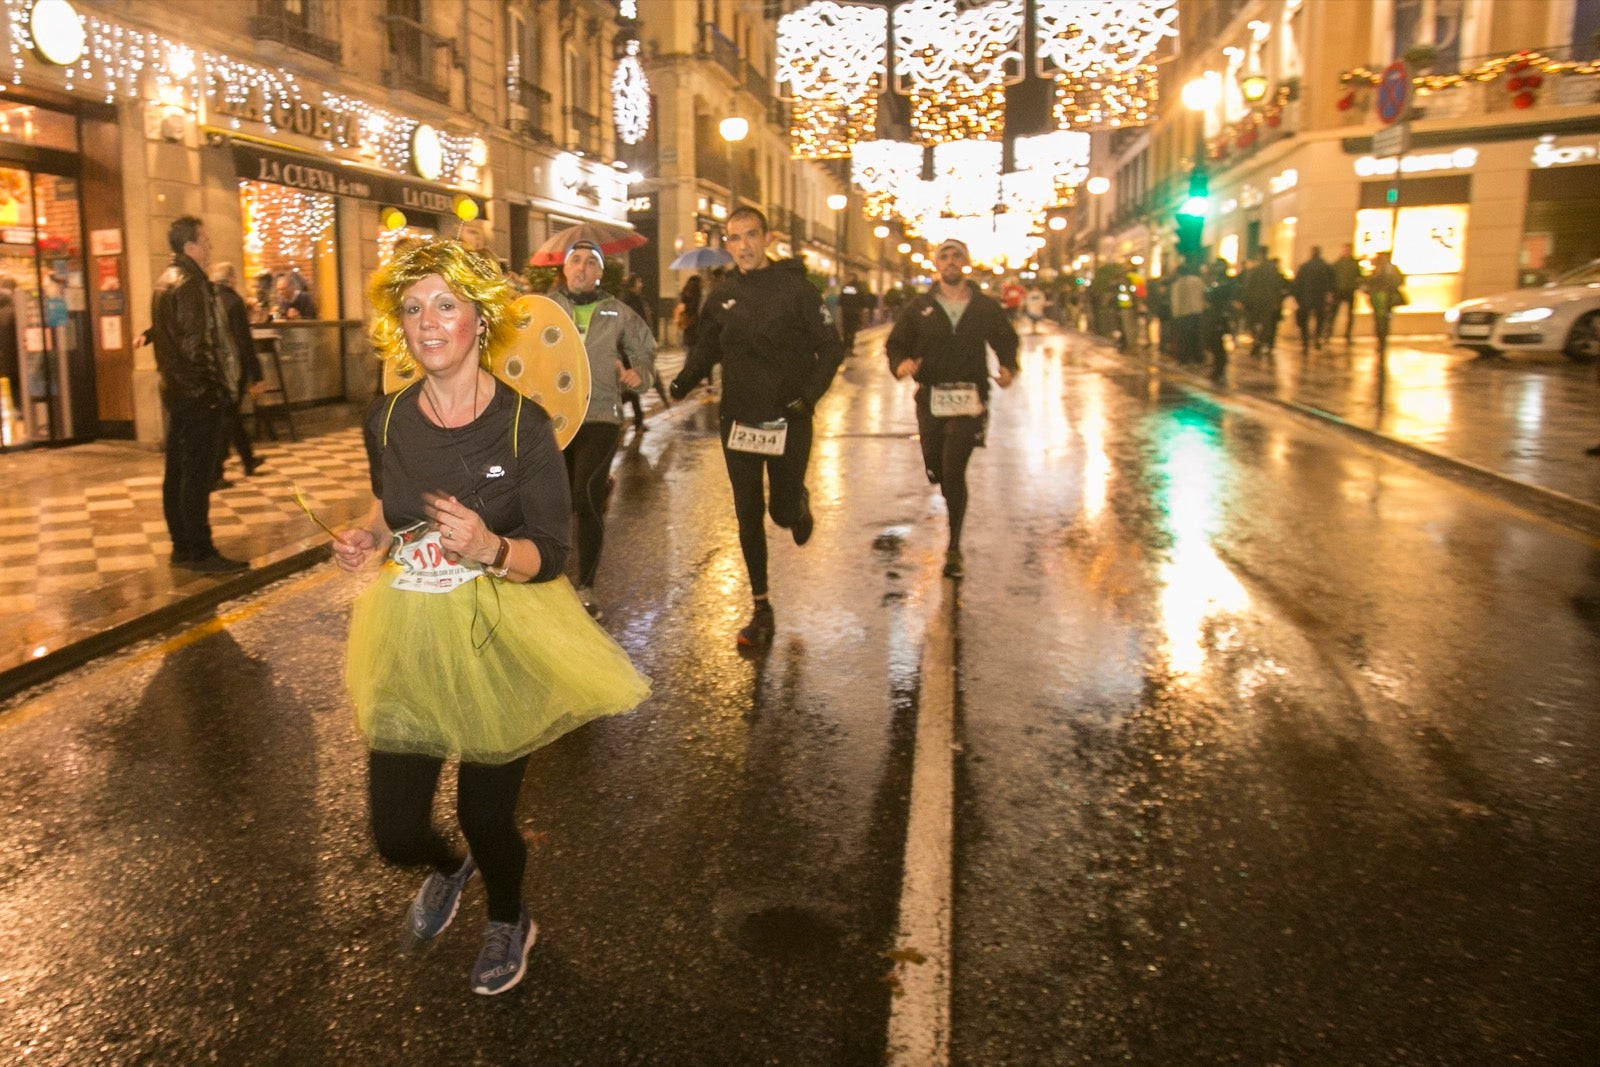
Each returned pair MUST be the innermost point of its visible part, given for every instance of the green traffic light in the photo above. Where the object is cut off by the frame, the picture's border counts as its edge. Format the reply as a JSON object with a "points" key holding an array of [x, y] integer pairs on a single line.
{"points": [[1194, 207]]}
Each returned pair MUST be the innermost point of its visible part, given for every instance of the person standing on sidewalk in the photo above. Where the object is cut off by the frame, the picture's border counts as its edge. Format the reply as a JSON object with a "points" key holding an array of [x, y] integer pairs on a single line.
{"points": [[225, 279], [1188, 298], [466, 646], [195, 360], [1313, 290], [622, 356], [779, 350], [1346, 283], [1386, 289], [941, 340]]}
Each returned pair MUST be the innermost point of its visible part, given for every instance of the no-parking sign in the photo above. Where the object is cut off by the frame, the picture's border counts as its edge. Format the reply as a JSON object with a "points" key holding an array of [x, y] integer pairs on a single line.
{"points": [[1394, 92]]}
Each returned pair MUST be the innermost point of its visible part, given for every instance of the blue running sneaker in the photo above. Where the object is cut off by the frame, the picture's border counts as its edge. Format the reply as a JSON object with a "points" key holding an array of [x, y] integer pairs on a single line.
{"points": [[504, 958], [437, 901]]}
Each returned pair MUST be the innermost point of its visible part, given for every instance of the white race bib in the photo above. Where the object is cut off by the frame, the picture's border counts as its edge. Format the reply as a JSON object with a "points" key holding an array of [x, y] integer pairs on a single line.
{"points": [[956, 398], [424, 568], [764, 438]]}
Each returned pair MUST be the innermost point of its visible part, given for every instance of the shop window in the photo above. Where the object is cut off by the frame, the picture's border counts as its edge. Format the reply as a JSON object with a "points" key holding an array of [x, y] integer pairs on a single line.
{"points": [[25, 124], [1429, 247], [1430, 22], [290, 262], [1586, 29]]}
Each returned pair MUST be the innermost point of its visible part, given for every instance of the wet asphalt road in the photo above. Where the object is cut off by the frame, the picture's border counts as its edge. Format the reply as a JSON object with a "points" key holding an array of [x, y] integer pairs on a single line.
{"points": [[1269, 750]]}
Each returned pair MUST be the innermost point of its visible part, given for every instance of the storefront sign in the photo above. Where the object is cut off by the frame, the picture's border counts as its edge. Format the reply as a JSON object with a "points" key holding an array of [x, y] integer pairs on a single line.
{"points": [[1427, 239], [251, 102], [1280, 183], [1549, 153], [310, 174], [1459, 159]]}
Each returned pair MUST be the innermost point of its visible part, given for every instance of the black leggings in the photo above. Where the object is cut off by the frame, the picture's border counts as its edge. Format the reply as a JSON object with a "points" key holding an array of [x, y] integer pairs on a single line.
{"points": [[400, 789], [947, 445], [589, 458], [787, 474]]}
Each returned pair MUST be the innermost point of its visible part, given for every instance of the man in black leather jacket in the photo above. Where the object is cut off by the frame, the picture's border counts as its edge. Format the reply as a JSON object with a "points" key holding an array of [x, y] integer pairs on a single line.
{"points": [[767, 326], [198, 375]]}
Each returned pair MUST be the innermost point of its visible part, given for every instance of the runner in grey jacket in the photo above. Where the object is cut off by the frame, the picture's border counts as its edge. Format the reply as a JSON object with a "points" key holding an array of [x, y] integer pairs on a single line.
{"points": [[622, 355]]}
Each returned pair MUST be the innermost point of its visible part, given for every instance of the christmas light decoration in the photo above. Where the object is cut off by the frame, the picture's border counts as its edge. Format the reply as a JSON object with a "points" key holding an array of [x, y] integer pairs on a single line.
{"points": [[829, 56], [284, 227], [121, 63], [630, 97], [953, 64], [881, 169]]}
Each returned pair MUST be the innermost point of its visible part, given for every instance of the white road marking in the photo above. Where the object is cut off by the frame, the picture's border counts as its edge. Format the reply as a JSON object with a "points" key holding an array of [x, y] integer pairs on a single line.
{"points": [[919, 1011]]}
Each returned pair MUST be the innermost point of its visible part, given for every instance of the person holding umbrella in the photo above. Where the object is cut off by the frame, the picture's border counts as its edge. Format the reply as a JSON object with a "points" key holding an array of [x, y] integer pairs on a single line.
{"points": [[622, 357]]}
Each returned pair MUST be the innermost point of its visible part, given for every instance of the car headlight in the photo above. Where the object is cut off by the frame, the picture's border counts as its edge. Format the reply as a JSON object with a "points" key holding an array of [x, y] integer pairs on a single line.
{"points": [[1452, 315], [1530, 315]]}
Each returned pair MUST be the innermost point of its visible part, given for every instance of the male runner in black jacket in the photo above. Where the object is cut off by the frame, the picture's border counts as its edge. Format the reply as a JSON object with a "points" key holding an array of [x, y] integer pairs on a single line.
{"points": [[767, 326], [942, 339]]}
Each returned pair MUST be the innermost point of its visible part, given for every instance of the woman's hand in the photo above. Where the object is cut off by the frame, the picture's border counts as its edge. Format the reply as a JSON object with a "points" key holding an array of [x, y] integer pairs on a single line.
{"points": [[461, 530], [352, 548]]}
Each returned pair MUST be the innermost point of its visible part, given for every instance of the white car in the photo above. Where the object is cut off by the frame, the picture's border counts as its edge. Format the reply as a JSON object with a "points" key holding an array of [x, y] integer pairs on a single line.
{"points": [[1563, 316]]}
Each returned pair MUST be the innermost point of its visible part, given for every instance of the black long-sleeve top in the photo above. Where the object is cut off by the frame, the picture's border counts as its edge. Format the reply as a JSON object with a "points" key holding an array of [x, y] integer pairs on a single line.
{"points": [[519, 495], [773, 336], [923, 332]]}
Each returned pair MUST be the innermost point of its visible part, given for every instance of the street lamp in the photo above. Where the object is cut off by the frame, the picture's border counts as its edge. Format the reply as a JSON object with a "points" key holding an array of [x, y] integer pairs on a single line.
{"points": [[837, 202], [1098, 186], [733, 129]]}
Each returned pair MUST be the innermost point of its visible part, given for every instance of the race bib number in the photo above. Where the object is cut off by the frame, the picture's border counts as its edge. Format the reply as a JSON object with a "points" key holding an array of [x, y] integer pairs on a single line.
{"points": [[763, 438], [424, 568], [957, 398]]}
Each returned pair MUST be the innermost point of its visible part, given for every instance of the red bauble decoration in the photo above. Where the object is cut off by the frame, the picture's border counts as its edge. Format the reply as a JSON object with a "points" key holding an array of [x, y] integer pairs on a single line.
{"points": [[1519, 66], [1513, 85], [1274, 119], [1345, 102], [1533, 81], [1523, 99]]}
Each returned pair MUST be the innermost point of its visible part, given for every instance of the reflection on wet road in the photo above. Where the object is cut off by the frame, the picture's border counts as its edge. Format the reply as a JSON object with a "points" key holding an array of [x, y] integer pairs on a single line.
{"points": [[1269, 749]]}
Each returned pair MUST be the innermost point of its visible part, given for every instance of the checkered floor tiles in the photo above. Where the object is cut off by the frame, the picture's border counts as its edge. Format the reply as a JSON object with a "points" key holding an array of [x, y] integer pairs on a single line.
{"points": [[88, 538]]}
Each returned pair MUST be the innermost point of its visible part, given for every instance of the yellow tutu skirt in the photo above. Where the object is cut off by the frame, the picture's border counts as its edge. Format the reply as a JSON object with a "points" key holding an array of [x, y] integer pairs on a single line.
{"points": [[421, 686]]}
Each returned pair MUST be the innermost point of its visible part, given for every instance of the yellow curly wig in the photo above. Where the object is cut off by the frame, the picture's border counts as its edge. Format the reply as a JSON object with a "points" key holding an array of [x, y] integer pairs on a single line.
{"points": [[471, 275]]}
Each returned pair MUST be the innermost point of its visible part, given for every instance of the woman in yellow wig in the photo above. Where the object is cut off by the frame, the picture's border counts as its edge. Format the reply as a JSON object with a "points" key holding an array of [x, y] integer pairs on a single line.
{"points": [[467, 646]]}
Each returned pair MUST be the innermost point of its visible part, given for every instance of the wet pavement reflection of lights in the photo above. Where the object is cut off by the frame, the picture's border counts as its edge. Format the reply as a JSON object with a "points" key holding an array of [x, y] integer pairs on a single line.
{"points": [[1040, 381], [1196, 585], [1419, 395]]}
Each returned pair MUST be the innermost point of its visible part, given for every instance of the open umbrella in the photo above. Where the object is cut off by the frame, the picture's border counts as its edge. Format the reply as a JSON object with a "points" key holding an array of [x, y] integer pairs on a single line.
{"points": [[610, 239], [702, 259]]}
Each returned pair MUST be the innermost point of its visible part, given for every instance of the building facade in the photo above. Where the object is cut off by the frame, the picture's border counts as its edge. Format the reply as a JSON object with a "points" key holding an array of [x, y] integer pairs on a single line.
{"points": [[309, 135], [1486, 183]]}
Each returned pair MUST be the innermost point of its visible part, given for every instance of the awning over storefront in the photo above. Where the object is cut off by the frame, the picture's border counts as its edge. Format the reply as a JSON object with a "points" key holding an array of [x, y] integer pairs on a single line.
{"points": [[298, 171]]}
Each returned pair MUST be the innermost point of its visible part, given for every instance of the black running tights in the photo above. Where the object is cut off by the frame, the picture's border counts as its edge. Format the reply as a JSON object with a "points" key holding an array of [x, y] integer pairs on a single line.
{"points": [[589, 458], [401, 789], [947, 446], [748, 473]]}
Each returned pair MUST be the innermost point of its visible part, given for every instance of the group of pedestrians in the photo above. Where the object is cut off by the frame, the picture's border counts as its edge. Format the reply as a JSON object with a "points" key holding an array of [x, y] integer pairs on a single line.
{"points": [[464, 647]]}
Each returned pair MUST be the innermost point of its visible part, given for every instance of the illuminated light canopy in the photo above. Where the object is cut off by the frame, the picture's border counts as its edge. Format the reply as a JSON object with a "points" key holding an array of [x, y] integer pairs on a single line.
{"points": [[953, 64], [57, 32], [630, 97], [882, 169], [830, 57]]}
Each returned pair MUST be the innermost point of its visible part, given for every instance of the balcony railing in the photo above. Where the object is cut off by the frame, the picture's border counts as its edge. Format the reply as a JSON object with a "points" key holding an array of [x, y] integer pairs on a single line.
{"points": [[1488, 98], [418, 60], [717, 47], [273, 21], [585, 135], [531, 111], [756, 83]]}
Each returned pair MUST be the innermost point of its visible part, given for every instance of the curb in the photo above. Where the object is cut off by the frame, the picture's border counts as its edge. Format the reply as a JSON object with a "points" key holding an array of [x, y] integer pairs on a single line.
{"points": [[1576, 515], [144, 624]]}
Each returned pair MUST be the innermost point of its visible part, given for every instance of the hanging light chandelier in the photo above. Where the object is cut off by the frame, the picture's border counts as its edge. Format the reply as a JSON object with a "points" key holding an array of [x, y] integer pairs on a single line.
{"points": [[955, 68]]}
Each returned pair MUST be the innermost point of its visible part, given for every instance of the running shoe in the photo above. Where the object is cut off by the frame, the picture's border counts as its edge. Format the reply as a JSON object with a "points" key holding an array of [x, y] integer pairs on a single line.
{"points": [[757, 633], [953, 567], [437, 901], [504, 959], [805, 523]]}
